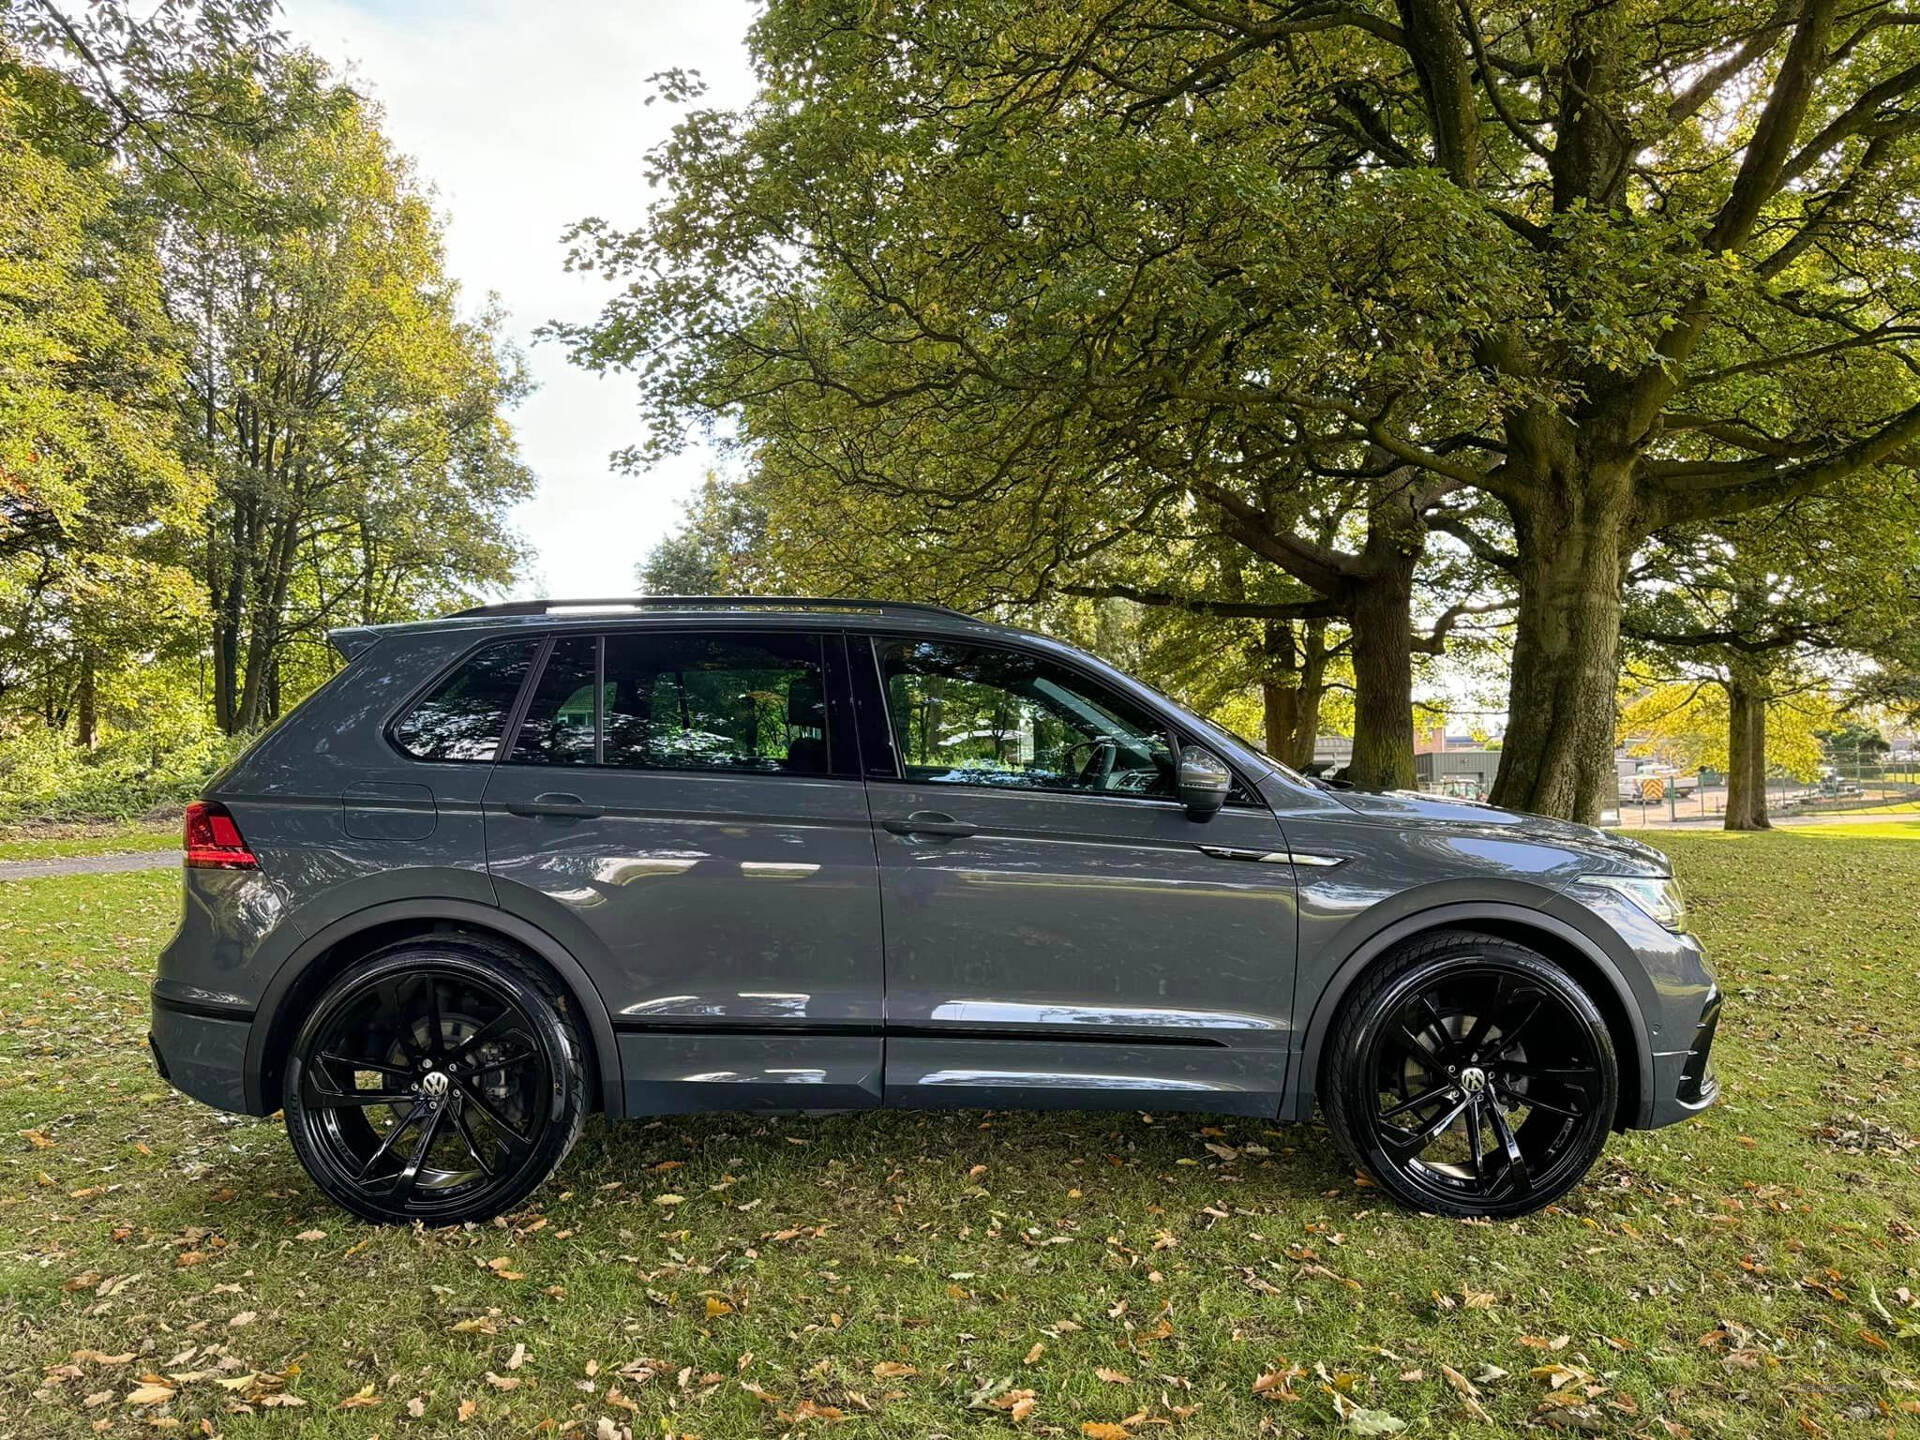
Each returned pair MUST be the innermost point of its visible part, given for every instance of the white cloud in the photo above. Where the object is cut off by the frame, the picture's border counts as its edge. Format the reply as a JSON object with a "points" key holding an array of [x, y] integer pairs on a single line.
{"points": [[525, 118]]}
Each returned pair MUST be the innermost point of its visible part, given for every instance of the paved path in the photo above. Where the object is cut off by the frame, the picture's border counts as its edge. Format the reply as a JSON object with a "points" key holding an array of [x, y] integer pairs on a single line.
{"points": [[87, 864]]}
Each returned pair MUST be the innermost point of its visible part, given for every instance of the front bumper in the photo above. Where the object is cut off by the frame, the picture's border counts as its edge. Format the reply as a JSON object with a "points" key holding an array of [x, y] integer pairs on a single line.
{"points": [[1684, 1082], [201, 1050]]}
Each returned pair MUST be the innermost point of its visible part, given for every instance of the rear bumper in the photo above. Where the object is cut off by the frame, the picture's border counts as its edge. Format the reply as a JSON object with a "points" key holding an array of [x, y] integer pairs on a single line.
{"points": [[201, 1051]]}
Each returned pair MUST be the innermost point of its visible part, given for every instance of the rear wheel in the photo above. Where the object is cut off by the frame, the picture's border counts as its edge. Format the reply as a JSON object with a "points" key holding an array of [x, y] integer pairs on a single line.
{"points": [[1471, 1076], [439, 1081]]}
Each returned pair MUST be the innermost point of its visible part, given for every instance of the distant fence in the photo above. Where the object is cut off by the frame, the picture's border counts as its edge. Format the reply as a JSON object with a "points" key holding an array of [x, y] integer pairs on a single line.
{"points": [[1854, 787]]}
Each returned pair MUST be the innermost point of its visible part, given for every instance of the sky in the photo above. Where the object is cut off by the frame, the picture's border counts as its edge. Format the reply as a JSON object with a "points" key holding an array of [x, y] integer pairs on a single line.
{"points": [[525, 117]]}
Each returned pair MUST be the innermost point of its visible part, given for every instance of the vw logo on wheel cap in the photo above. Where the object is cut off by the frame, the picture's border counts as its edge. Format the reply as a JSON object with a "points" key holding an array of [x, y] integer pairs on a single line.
{"points": [[434, 1084], [1473, 1080]]}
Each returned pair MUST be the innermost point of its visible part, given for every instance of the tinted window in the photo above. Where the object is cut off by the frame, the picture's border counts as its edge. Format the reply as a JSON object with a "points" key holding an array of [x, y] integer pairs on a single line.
{"points": [[560, 720], [716, 702], [752, 703], [973, 715], [466, 714]]}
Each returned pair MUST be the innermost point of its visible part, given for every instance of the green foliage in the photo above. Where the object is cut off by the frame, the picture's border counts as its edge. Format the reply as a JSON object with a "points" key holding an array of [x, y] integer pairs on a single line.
{"points": [[43, 776], [1003, 295], [240, 399]]}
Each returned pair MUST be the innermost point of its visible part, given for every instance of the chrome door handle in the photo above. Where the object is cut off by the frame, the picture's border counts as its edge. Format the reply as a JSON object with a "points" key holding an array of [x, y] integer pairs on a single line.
{"points": [[928, 822], [555, 803]]}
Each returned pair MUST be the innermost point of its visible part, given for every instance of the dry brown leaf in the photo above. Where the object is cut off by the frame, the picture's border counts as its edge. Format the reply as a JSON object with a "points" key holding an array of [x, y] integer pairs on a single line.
{"points": [[893, 1370], [1459, 1382], [1112, 1376]]}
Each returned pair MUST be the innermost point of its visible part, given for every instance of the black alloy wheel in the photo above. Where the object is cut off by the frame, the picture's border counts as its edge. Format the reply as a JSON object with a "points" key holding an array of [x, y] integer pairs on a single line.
{"points": [[1470, 1076], [437, 1081]]}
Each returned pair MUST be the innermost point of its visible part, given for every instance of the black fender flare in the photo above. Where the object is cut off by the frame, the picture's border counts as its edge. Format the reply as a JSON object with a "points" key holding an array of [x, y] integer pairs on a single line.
{"points": [[456, 912], [1466, 915]]}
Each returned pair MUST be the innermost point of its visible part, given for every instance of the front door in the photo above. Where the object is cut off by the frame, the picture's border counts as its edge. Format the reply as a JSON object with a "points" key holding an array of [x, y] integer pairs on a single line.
{"points": [[683, 809], [1058, 930]]}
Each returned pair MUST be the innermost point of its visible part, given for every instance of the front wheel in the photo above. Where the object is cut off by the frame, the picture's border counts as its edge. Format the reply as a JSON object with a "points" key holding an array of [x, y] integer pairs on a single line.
{"points": [[439, 1080], [1471, 1076]]}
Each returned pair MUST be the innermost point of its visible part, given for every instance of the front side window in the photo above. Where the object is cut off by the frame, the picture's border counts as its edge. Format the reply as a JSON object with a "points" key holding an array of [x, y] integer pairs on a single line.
{"points": [[974, 715], [681, 701], [465, 715]]}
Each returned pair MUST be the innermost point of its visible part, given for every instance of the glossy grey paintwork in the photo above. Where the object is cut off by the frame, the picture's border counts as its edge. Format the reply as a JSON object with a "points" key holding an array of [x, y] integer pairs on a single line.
{"points": [[1090, 917], [733, 901], [1240, 963]]}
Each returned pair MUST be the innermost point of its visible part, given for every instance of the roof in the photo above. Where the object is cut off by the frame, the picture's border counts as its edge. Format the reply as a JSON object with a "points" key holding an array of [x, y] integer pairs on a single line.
{"points": [[643, 603], [351, 640]]}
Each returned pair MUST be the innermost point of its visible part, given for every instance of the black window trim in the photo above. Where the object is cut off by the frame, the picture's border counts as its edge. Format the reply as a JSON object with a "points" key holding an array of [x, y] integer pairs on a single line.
{"points": [[1242, 796], [821, 636], [418, 695]]}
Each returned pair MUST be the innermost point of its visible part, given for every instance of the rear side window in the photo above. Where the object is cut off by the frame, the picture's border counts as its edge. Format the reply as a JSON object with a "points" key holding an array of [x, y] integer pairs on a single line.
{"points": [[465, 715], [743, 703], [562, 719]]}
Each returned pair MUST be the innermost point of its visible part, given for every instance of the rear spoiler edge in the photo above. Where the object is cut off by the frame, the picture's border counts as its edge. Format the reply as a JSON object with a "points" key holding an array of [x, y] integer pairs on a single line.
{"points": [[353, 641]]}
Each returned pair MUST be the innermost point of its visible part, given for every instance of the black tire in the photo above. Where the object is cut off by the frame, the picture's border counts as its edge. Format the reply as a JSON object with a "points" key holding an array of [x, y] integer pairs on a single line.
{"points": [[439, 1080], [1470, 1076]]}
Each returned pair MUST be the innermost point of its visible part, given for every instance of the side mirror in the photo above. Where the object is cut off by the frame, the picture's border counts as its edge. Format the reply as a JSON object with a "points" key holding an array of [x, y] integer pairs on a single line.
{"points": [[1203, 782]]}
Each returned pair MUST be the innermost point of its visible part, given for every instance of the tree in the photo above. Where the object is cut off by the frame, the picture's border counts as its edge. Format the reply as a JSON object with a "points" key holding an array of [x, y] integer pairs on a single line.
{"points": [[1747, 605], [93, 494], [352, 420], [1608, 269]]}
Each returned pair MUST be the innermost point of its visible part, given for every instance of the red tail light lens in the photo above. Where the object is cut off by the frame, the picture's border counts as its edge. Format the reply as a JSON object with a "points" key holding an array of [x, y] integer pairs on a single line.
{"points": [[213, 841]]}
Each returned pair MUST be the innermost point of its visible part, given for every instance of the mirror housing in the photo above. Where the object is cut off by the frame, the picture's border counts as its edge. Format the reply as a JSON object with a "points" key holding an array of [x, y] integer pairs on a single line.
{"points": [[1204, 780]]}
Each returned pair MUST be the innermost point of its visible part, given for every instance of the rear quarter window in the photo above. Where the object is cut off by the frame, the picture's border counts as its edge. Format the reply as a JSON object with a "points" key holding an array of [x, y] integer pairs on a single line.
{"points": [[464, 716]]}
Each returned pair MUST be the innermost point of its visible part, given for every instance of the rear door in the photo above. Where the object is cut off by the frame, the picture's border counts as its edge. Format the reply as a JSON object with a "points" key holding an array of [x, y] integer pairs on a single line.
{"points": [[684, 807], [1058, 930]]}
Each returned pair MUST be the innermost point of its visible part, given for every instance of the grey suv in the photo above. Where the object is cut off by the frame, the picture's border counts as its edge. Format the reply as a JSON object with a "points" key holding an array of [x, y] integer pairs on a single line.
{"points": [[675, 855]]}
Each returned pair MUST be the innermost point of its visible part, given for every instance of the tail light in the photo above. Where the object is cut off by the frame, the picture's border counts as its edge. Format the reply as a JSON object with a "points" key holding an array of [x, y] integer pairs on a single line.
{"points": [[213, 841]]}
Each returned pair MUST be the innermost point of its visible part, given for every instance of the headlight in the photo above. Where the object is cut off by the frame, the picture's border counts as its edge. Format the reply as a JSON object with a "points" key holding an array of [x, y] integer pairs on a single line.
{"points": [[1658, 895]]}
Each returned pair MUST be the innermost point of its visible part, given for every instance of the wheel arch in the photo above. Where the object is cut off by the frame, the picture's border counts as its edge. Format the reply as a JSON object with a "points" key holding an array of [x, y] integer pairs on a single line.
{"points": [[1589, 964], [335, 946]]}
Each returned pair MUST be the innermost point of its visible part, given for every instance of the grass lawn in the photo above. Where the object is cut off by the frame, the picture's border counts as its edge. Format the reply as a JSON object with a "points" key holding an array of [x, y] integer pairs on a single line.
{"points": [[51, 841], [164, 1269]]}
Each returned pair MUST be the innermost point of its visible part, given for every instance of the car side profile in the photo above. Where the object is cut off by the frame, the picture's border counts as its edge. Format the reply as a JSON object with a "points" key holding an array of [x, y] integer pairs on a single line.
{"points": [[680, 854]]}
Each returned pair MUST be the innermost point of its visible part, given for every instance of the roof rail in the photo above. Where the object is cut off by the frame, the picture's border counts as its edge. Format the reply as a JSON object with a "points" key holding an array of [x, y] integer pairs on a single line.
{"points": [[707, 602]]}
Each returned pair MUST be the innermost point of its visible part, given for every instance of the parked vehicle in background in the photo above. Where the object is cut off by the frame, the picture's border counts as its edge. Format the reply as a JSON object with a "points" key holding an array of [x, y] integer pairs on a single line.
{"points": [[1644, 781], [659, 856]]}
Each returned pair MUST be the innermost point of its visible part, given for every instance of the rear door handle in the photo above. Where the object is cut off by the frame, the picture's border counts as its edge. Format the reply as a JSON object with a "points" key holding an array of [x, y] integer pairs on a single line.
{"points": [[928, 822], [556, 803]]}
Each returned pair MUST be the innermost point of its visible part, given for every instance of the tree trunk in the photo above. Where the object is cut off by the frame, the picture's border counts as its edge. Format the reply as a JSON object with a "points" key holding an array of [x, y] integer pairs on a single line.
{"points": [[1557, 757], [1383, 674], [1279, 687], [1313, 689], [87, 723], [1747, 753]]}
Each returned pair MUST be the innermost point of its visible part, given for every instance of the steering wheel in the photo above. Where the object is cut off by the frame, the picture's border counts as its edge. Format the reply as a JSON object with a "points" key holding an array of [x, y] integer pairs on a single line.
{"points": [[1093, 772]]}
